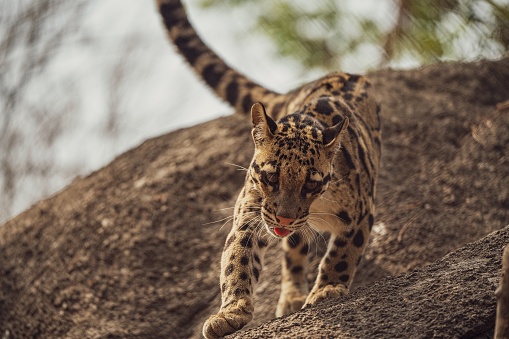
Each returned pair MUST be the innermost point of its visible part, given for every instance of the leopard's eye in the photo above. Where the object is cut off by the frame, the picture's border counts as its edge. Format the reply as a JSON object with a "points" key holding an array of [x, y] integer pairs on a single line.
{"points": [[311, 185], [270, 178]]}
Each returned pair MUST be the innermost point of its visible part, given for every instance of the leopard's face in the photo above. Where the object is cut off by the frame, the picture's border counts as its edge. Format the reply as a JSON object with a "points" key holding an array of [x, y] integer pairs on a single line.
{"points": [[291, 168], [288, 185]]}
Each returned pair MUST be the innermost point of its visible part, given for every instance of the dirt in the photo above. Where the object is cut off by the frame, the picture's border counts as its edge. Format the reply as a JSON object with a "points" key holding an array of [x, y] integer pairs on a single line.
{"points": [[133, 249]]}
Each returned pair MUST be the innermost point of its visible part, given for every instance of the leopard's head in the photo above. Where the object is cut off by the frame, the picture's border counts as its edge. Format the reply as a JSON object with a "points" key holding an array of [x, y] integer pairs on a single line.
{"points": [[292, 166]]}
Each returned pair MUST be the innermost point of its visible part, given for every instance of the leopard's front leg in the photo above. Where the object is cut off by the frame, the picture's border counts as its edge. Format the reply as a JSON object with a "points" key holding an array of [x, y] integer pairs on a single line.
{"points": [[241, 264], [339, 264], [294, 285]]}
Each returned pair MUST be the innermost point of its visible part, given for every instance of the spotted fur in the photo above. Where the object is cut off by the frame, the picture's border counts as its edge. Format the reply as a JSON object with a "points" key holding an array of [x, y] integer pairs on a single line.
{"points": [[317, 153]]}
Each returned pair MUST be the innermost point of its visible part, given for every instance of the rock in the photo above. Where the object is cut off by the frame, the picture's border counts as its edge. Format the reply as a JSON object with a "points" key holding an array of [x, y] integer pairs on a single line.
{"points": [[133, 250], [451, 298]]}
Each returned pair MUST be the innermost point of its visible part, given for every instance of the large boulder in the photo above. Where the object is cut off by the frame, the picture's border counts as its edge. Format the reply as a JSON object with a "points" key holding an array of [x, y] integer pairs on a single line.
{"points": [[133, 249]]}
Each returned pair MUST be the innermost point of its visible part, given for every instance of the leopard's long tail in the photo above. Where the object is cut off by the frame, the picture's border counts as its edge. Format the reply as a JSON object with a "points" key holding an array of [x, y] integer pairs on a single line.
{"points": [[228, 84]]}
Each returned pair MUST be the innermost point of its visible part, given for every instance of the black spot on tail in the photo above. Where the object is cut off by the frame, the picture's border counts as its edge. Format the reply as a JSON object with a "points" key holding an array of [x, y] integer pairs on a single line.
{"points": [[190, 52], [247, 102], [168, 8], [212, 75], [232, 92]]}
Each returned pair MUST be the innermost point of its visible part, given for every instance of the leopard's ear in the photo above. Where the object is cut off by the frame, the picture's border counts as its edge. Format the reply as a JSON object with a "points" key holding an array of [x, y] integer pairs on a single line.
{"points": [[331, 135], [263, 126]]}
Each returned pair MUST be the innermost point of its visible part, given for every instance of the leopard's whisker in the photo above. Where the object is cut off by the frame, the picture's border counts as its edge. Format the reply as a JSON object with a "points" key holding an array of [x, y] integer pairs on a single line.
{"points": [[227, 221], [241, 168], [324, 198], [260, 228], [220, 220], [253, 223], [223, 209], [339, 180], [326, 213], [318, 219], [314, 236], [307, 236]]}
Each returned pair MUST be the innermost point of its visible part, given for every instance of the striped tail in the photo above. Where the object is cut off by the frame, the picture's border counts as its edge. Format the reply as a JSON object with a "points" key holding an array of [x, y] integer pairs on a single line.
{"points": [[233, 87]]}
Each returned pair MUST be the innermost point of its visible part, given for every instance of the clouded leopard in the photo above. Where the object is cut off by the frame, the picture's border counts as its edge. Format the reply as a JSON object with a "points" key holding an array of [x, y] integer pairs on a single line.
{"points": [[315, 166]]}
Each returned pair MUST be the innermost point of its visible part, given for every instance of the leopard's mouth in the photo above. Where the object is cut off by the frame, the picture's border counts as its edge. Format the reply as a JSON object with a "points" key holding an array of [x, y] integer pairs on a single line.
{"points": [[279, 232], [282, 232]]}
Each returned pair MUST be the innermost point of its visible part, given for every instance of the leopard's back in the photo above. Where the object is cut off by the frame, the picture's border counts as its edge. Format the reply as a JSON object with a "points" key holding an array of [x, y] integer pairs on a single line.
{"points": [[331, 99]]}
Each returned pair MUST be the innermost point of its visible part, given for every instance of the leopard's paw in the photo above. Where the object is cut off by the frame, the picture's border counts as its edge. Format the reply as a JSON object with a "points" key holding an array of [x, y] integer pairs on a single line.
{"points": [[290, 302], [227, 321], [323, 293]]}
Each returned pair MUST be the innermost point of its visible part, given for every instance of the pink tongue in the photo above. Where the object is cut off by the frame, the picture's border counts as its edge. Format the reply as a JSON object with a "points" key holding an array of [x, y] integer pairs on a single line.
{"points": [[282, 232]]}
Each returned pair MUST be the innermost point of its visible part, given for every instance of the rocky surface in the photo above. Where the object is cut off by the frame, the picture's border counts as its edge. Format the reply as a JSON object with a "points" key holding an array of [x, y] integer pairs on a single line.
{"points": [[133, 249], [451, 298]]}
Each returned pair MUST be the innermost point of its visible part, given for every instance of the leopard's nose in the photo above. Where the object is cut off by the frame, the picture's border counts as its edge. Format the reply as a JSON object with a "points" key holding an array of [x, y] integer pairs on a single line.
{"points": [[284, 221]]}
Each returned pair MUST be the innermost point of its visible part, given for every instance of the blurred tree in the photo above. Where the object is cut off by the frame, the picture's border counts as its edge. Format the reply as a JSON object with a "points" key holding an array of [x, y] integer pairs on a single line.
{"points": [[37, 104], [29, 37], [323, 33]]}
